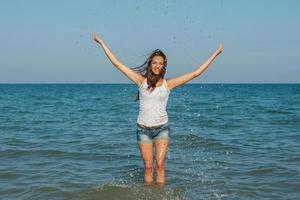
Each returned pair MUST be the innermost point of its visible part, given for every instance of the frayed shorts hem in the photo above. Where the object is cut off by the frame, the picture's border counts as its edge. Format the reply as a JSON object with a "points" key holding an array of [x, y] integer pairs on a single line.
{"points": [[151, 141]]}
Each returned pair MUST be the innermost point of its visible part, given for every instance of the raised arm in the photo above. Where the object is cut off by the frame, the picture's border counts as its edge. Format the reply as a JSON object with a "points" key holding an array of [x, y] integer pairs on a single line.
{"points": [[177, 81], [132, 75]]}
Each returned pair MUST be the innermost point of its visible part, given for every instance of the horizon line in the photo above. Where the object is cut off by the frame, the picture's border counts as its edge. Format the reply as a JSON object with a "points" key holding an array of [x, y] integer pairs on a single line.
{"points": [[62, 83]]}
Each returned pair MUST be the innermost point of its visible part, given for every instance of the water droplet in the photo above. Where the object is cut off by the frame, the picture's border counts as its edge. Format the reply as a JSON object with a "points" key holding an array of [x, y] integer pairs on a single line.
{"points": [[174, 39]]}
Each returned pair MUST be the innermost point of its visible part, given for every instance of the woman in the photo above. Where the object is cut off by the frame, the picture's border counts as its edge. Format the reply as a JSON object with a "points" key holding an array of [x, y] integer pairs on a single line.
{"points": [[152, 122]]}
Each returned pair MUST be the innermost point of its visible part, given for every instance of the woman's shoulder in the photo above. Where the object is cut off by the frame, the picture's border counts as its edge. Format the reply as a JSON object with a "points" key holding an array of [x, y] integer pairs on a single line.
{"points": [[168, 82], [142, 80]]}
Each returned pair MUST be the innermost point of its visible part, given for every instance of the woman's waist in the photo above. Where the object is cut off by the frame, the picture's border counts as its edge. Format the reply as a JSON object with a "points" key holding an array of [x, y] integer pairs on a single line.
{"points": [[153, 127], [153, 112]]}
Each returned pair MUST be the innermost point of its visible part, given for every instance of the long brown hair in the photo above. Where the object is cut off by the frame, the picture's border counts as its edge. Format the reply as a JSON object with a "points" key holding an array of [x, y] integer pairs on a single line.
{"points": [[145, 70]]}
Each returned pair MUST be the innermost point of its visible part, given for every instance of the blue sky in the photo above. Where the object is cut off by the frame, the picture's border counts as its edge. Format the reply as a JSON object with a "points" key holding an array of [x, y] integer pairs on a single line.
{"points": [[50, 41]]}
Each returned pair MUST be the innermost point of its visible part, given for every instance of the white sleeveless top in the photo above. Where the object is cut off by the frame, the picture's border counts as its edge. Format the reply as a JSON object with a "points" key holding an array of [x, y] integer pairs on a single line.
{"points": [[153, 105]]}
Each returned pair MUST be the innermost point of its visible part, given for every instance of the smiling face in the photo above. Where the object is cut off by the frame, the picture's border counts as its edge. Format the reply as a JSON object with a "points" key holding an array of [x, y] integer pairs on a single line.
{"points": [[157, 64]]}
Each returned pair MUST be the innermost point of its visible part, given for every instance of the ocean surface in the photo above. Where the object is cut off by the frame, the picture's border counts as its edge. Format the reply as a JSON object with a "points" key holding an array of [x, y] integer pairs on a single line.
{"points": [[78, 141]]}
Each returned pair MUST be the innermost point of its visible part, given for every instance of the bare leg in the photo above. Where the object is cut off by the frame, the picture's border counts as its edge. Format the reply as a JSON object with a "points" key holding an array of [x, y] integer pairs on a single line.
{"points": [[161, 146], [146, 152]]}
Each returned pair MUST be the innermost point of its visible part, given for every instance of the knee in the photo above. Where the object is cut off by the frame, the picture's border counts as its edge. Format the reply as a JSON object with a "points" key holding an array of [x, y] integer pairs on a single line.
{"points": [[148, 166], [160, 165]]}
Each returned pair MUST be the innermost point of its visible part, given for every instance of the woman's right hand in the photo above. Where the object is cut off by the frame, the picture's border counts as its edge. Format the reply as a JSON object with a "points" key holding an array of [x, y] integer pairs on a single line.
{"points": [[96, 38]]}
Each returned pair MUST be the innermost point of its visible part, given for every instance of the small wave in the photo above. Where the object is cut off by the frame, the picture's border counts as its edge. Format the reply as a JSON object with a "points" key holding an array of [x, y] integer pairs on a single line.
{"points": [[131, 192], [292, 159], [261, 171], [269, 111], [41, 97], [49, 153], [228, 126], [191, 137], [87, 110], [46, 121], [286, 121], [8, 108], [194, 140], [8, 175]]}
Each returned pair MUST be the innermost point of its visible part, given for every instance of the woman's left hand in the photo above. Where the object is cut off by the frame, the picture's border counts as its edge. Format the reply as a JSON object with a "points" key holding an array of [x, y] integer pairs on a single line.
{"points": [[220, 48]]}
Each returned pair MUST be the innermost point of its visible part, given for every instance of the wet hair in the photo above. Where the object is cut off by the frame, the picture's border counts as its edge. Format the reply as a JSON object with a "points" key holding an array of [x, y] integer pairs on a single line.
{"points": [[145, 70]]}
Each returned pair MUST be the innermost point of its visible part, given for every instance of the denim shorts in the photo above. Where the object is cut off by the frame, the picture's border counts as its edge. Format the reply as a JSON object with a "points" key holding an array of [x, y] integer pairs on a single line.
{"points": [[148, 135]]}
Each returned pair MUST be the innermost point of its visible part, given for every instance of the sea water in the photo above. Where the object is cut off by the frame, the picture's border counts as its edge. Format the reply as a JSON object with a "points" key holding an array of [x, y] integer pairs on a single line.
{"points": [[78, 141]]}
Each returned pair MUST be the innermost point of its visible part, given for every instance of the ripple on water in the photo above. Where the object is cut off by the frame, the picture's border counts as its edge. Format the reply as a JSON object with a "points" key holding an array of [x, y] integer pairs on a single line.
{"points": [[131, 192], [8, 175], [192, 140]]}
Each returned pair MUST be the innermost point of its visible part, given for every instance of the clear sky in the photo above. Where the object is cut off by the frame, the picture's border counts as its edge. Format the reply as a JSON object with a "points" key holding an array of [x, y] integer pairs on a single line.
{"points": [[50, 41]]}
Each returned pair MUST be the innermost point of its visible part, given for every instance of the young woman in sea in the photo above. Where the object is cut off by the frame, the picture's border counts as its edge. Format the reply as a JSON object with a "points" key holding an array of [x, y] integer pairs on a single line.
{"points": [[153, 91]]}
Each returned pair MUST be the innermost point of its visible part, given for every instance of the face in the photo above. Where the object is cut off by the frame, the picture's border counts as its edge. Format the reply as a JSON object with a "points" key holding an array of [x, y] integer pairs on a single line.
{"points": [[157, 64]]}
